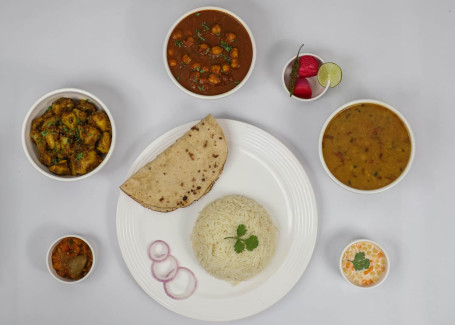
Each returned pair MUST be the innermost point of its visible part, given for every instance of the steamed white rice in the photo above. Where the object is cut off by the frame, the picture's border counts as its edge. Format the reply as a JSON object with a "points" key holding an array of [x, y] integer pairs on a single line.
{"points": [[219, 220]]}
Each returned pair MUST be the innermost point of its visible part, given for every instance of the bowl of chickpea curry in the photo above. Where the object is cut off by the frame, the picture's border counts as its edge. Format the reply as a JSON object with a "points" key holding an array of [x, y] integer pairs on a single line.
{"points": [[68, 134], [209, 53]]}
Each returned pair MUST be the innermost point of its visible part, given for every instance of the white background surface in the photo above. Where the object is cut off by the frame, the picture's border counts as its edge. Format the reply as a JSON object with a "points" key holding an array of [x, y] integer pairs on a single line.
{"points": [[400, 52]]}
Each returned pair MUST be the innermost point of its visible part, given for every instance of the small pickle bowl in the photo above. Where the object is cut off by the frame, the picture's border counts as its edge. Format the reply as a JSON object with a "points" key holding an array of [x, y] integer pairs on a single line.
{"points": [[364, 264], [355, 104], [216, 96], [317, 90], [39, 108], [77, 267]]}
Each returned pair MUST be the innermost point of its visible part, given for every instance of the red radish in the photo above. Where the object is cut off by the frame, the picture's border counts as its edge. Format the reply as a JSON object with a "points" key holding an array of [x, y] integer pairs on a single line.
{"points": [[308, 66], [302, 88]]}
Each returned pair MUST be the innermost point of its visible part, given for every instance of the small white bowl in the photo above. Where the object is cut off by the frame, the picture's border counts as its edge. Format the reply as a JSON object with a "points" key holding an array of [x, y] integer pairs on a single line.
{"points": [[54, 273], [230, 92], [39, 107], [383, 276], [411, 137], [316, 88]]}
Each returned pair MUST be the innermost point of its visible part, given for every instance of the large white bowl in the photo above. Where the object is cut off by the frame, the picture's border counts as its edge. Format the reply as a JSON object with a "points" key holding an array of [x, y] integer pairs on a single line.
{"points": [[39, 107], [411, 137], [230, 92], [54, 273]]}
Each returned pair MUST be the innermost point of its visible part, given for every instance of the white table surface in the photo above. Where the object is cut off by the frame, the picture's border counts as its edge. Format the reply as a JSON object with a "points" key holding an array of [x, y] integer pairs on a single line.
{"points": [[400, 52]]}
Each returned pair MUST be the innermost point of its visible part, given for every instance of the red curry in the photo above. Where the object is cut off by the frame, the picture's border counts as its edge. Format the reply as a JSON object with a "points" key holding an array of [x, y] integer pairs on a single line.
{"points": [[72, 258], [209, 52]]}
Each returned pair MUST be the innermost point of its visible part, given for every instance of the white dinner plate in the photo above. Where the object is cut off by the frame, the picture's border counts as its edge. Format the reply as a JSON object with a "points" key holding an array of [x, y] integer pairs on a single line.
{"points": [[258, 166]]}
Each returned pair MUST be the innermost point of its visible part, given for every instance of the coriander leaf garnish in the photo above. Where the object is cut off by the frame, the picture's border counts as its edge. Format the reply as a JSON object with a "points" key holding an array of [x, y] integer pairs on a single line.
{"points": [[205, 26], [178, 43], [241, 230], [225, 46], [250, 243], [360, 262], [67, 130], [239, 246], [78, 136], [228, 60], [197, 13], [199, 35], [294, 73], [45, 132], [80, 155], [48, 109]]}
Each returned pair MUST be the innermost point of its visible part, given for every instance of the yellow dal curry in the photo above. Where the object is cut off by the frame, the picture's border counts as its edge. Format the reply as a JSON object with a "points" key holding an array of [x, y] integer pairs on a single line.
{"points": [[366, 146]]}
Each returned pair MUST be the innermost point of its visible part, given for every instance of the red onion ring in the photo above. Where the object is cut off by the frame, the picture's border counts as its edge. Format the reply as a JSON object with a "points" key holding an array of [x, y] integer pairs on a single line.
{"points": [[158, 251], [165, 270], [174, 289]]}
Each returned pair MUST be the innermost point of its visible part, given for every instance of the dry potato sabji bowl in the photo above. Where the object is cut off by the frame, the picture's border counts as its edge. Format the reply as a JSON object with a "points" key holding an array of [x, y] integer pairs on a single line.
{"points": [[70, 147]]}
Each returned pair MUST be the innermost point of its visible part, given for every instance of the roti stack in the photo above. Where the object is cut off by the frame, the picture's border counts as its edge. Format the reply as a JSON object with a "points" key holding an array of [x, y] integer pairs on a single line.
{"points": [[182, 173]]}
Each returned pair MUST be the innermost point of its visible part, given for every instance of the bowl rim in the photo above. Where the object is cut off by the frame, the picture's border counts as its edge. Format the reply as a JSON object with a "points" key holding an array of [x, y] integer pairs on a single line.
{"points": [[380, 103], [233, 90], [49, 260], [27, 121], [374, 243], [284, 83]]}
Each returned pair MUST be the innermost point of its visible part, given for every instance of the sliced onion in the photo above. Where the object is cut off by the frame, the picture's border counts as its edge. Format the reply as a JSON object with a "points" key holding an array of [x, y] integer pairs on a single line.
{"points": [[182, 286], [165, 270], [158, 251]]}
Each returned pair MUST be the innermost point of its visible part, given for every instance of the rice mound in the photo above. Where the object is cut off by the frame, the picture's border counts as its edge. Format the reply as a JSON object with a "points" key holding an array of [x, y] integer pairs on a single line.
{"points": [[219, 220]]}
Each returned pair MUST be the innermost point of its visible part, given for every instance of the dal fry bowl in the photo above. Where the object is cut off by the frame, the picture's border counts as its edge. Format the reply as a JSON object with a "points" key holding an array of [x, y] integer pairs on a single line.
{"points": [[378, 136]]}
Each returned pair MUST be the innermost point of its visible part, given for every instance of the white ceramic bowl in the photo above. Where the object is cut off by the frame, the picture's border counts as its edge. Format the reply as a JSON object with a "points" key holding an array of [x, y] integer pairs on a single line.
{"points": [[317, 89], [383, 276], [230, 92], [54, 273], [39, 107], [411, 137]]}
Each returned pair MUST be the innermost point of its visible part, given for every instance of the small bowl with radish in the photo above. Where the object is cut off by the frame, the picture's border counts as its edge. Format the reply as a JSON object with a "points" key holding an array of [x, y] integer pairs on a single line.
{"points": [[307, 87]]}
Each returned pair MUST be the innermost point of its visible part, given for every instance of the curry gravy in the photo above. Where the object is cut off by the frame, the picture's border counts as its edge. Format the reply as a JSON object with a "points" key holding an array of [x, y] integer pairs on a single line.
{"points": [[209, 52], [366, 146]]}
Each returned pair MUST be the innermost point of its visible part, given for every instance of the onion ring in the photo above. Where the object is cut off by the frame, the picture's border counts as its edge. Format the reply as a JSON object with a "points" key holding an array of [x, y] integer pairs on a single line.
{"points": [[158, 251], [173, 288], [165, 270]]}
